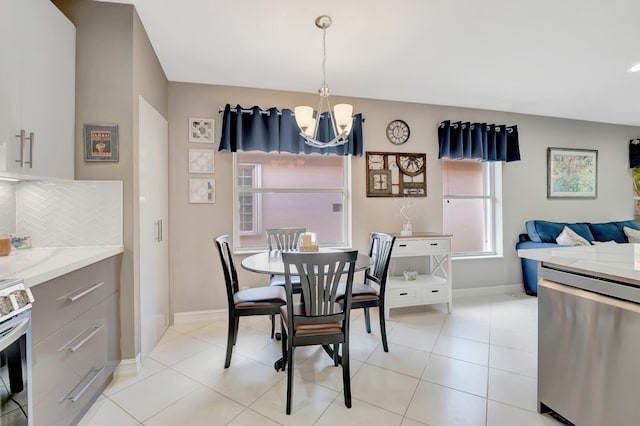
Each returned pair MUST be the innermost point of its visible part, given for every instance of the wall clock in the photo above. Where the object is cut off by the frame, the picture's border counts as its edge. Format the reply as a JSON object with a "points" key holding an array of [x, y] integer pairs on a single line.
{"points": [[398, 132]]}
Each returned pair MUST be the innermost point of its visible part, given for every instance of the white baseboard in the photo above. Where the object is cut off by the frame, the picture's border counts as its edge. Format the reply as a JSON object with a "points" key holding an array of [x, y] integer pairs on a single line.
{"points": [[128, 367], [510, 289], [208, 315]]}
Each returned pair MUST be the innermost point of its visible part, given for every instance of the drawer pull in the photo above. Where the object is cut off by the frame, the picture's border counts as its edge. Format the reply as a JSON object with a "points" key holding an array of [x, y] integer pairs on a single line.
{"points": [[435, 291], [92, 376], [88, 334], [404, 294], [434, 244], [402, 245], [85, 292]]}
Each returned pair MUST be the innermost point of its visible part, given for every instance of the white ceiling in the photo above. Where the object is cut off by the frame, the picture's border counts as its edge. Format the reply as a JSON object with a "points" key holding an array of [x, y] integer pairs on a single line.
{"points": [[561, 58]]}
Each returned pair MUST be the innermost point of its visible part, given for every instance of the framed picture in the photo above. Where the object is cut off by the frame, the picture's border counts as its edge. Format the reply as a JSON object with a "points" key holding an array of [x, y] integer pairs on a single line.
{"points": [[101, 142], [396, 174], [202, 191], [201, 160], [572, 173], [201, 130]]}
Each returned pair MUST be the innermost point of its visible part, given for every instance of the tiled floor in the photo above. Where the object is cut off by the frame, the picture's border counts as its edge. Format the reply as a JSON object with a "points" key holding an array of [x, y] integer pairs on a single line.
{"points": [[476, 366]]}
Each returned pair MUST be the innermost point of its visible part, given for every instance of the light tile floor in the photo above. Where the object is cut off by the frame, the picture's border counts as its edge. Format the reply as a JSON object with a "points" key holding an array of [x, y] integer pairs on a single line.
{"points": [[475, 366]]}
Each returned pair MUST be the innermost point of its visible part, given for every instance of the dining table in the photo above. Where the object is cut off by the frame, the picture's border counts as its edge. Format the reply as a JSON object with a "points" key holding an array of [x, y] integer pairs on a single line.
{"points": [[270, 262]]}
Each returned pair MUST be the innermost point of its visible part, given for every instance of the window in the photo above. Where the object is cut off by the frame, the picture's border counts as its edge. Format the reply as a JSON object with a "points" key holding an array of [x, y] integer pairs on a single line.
{"points": [[471, 208], [283, 190]]}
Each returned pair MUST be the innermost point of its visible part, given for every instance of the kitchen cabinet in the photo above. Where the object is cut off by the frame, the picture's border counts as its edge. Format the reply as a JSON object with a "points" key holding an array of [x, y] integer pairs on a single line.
{"points": [[37, 86], [429, 255], [76, 340]]}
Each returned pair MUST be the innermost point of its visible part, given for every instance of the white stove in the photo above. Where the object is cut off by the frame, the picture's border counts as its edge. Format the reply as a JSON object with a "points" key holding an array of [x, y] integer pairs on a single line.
{"points": [[14, 298]]}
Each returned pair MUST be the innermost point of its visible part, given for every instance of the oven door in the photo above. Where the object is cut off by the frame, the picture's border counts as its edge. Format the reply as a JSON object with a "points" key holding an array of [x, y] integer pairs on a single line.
{"points": [[15, 370]]}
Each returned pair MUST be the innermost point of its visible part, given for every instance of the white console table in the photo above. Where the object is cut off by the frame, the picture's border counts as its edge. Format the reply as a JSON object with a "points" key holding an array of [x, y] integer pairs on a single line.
{"points": [[430, 255]]}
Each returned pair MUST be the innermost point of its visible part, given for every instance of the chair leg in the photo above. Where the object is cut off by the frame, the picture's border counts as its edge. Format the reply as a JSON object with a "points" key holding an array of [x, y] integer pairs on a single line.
{"points": [[273, 325], [346, 375], [367, 320], [383, 327], [335, 355], [289, 377], [235, 330], [231, 340]]}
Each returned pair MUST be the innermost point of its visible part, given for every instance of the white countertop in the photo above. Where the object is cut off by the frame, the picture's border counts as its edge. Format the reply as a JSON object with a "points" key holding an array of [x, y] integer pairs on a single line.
{"points": [[615, 260], [37, 265]]}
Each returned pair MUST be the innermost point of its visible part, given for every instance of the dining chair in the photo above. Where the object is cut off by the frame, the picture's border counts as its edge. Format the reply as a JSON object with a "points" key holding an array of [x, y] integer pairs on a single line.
{"points": [[364, 295], [317, 318], [248, 302]]}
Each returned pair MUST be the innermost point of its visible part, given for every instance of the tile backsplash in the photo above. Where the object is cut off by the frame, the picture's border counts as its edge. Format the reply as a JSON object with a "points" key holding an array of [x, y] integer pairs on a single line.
{"points": [[70, 214]]}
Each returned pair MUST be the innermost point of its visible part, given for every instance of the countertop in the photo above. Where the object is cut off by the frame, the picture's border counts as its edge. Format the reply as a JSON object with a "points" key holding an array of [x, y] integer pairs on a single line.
{"points": [[609, 260], [37, 265]]}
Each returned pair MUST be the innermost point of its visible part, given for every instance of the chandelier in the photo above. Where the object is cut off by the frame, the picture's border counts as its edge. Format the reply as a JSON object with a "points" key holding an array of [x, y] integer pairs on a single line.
{"points": [[340, 118]]}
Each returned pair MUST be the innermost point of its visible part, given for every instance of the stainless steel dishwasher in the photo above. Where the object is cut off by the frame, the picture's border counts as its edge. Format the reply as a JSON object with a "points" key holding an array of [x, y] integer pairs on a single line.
{"points": [[588, 348]]}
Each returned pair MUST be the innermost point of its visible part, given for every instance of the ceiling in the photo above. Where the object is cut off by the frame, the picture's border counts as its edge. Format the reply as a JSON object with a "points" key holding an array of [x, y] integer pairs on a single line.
{"points": [[560, 58]]}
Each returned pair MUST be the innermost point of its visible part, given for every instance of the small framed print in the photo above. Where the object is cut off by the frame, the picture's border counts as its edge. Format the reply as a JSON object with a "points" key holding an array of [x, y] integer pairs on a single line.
{"points": [[101, 142], [201, 130], [202, 191], [201, 160], [572, 173]]}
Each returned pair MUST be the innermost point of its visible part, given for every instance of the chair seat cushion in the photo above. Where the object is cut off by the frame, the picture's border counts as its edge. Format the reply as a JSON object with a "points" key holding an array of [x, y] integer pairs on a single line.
{"points": [[279, 280], [334, 327], [259, 296], [359, 291]]}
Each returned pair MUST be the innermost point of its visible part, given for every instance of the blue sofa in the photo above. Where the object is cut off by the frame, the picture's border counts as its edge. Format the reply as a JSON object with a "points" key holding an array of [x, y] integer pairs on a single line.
{"points": [[541, 234]]}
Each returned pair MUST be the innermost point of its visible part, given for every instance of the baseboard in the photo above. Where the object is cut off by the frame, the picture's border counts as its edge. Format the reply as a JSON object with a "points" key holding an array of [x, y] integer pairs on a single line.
{"points": [[128, 367], [208, 315], [511, 289]]}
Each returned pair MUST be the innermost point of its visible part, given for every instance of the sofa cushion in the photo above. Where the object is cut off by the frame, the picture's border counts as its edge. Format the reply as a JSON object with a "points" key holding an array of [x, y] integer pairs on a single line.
{"points": [[569, 238], [612, 231], [633, 235], [541, 231]]}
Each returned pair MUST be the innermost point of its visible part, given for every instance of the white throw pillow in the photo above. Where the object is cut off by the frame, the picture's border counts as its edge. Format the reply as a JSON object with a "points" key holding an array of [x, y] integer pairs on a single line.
{"points": [[568, 237], [633, 235]]}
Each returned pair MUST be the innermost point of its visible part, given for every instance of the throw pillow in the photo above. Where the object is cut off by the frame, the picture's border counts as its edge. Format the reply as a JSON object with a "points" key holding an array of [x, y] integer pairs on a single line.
{"points": [[569, 238], [633, 235]]}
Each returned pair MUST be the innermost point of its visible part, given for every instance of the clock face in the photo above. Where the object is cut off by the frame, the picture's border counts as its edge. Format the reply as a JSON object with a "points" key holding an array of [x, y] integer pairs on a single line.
{"points": [[411, 165], [398, 132]]}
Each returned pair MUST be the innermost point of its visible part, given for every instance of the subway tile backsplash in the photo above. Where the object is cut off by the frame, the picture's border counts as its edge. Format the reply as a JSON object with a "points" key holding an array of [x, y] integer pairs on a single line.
{"points": [[7, 207], [70, 214]]}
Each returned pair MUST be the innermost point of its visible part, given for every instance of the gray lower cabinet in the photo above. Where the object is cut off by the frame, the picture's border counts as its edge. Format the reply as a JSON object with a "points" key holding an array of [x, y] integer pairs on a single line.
{"points": [[76, 341]]}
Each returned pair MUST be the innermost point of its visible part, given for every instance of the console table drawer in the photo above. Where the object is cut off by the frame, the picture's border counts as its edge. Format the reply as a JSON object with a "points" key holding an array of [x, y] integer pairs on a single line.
{"points": [[407, 247], [432, 293], [403, 295]]}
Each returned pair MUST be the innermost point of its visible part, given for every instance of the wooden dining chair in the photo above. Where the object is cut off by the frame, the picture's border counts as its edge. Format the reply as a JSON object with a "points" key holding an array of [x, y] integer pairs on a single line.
{"points": [[364, 295], [317, 318], [248, 302]]}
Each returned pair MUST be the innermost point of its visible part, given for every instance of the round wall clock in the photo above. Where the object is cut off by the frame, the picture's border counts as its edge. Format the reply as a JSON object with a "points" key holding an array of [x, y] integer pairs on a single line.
{"points": [[398, 132]]}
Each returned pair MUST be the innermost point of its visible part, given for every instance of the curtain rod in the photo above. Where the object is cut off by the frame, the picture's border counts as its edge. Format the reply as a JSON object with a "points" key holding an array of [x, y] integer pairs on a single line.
{"points": [[455, 125], [221, 110]]}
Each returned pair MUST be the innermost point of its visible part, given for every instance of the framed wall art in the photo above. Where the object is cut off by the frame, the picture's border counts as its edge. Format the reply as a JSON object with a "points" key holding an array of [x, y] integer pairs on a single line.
{"points": [[201, 130], [202, 191], [201, 160], [101, 142], [396, 174], [572, 173]]}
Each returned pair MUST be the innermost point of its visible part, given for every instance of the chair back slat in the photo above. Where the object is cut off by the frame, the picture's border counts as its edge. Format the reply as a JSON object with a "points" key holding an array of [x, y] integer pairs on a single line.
{"points": [[284, 238]]}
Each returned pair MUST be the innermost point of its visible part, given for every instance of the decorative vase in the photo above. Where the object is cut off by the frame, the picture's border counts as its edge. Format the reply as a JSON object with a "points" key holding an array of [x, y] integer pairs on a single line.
{"points": [[406, 230]]}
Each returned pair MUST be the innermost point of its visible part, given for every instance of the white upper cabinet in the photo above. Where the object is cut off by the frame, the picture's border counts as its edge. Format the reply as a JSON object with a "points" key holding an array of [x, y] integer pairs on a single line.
{"points": [[37, 90]]}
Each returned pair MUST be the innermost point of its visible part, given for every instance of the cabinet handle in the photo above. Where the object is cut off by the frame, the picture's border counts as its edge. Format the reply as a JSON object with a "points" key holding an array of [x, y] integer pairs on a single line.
{"points": [[403, 294], [76, 396], [160, 229], [402, 245], [21, 136], [434, 291], [85, 292], [92, 331], [31, 141], [434, 244]]}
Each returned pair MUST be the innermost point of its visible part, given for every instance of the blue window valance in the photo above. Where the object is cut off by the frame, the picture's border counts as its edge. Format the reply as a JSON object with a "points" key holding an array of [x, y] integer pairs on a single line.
{"points": [[486, 142], [253, 129]]}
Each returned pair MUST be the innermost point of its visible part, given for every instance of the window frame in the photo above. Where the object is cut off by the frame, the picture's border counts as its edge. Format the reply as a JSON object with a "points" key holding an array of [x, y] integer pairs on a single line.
{"points": [[347, 207], [257, 198], [492, 202]]}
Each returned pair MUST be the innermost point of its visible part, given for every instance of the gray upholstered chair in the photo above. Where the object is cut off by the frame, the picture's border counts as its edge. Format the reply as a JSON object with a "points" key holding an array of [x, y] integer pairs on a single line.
{"points": [[365, 295], [318, 318], [252, 301]]}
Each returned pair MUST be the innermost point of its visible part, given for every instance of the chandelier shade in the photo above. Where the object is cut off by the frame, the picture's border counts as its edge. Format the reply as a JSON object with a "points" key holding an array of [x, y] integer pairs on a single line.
{"points": [[340, 118]]}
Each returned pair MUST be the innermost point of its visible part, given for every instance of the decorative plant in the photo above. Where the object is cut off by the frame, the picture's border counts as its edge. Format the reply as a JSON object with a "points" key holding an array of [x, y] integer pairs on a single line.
{"points": [[405, 208]]}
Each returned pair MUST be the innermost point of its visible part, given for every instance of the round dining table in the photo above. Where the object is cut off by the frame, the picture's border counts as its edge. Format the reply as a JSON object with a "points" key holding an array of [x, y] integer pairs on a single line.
{"points": [[270, 262]]}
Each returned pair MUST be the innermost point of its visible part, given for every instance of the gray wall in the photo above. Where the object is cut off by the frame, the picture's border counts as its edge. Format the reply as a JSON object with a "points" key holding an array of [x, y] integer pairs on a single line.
{"points": [[115, 63], [195, 271]]}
